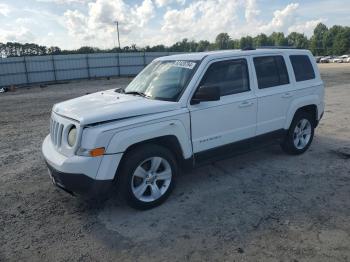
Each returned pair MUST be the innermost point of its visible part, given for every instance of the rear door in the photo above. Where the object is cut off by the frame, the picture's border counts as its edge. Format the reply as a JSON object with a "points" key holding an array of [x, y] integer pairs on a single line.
{"points": [[233, 117], [274, 93]]}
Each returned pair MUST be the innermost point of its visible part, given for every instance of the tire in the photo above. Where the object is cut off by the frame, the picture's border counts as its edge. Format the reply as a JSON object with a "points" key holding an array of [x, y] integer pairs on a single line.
{"points": [[140, 183], [297, 141]]}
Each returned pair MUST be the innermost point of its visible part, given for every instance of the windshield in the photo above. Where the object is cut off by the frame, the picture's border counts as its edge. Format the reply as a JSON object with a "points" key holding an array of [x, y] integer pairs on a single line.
{"points": [[163, 80]]}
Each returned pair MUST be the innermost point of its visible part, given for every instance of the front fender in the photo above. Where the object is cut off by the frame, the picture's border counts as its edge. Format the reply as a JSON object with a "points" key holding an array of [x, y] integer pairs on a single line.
{"points": [[126, 138]]}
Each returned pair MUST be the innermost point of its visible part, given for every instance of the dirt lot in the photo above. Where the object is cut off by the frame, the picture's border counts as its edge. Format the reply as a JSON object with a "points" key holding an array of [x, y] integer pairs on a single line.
{"points": [[262, 206]]}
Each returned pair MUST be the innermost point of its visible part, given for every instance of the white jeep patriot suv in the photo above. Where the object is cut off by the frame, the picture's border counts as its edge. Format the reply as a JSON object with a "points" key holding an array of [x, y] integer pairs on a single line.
{"points": [[182, 109]]}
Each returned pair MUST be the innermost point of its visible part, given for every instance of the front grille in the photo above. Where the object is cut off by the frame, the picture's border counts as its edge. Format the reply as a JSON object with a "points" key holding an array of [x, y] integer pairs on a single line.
{"points": [[56, 130]]}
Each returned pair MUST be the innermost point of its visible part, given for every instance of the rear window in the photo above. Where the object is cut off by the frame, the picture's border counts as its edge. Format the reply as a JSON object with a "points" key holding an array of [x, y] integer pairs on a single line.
{"points": [[271, 71], [302, 67]]}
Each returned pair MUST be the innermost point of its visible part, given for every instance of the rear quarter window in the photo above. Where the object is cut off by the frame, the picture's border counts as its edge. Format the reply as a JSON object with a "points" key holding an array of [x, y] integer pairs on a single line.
{"points": [[302, 67]]}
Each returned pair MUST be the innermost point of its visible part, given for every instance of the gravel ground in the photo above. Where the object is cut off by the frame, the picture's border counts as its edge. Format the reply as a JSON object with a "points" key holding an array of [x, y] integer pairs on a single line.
{"points": [[261, 206]]}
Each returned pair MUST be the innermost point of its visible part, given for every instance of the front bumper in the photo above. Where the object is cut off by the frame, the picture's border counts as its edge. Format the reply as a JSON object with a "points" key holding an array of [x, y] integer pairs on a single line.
{"points": [[80, 174], [79, 183]]}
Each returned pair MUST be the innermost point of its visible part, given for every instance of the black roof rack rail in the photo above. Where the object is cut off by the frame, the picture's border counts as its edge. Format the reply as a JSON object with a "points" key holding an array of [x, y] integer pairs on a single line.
{"points": [[268, 47], [247, 48], [276, 47]]}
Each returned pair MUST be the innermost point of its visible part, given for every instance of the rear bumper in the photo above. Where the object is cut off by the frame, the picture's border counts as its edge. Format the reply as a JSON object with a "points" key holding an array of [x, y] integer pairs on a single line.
{"points": [[79, 183]]}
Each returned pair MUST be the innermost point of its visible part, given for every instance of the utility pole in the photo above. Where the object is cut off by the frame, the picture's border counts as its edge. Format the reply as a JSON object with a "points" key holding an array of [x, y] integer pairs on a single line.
{"points": [[116, 22]]}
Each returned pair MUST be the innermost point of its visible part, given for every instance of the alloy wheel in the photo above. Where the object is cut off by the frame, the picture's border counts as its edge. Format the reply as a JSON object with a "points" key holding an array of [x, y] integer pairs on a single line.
{"points": [[151, 179], [302, 134]]}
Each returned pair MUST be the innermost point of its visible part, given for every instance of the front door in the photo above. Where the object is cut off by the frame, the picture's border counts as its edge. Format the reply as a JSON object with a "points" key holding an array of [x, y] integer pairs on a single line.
{"points": [[233, 117]]}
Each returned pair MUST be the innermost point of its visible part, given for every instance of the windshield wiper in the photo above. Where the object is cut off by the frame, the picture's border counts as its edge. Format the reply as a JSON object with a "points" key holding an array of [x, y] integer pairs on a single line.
{"points": [[120, 90], [135, 93]]}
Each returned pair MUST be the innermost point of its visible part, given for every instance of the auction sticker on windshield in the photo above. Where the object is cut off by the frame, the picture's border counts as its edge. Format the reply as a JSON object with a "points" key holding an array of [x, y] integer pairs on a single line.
{"points": [[185, 64]]}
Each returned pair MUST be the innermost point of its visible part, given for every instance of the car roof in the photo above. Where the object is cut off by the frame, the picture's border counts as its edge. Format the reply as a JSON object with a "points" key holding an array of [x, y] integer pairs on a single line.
{"points": [[234, 52]]}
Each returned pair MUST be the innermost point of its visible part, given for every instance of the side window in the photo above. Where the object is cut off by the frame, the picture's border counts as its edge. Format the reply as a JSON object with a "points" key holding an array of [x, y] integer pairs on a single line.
{"points": [[271, 71], [302, 67], [230, 76]]}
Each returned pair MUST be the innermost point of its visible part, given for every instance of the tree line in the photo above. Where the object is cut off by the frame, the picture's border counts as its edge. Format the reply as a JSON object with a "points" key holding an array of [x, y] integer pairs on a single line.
{"points": [[324, 41]]}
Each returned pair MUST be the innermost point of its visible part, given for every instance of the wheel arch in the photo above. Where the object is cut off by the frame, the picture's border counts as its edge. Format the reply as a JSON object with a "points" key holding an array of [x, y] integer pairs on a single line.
{"points": [[306, 104], [168, 141], [311, 109]]}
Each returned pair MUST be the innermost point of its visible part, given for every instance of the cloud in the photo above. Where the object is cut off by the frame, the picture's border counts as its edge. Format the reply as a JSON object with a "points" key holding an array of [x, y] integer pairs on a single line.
{"points": [[98, 25], [251, 11], [93, 23], [104, 13], [21, 34], [282, 19], [162, 3], [144, 12], [76, 23], [4, 10], [206, 19], [67, 2], [200, 20], [305, 27]]}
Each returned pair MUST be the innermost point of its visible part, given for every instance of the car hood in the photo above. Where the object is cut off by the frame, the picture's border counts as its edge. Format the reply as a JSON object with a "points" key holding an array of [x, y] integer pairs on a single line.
{"points": [[109, 105]]}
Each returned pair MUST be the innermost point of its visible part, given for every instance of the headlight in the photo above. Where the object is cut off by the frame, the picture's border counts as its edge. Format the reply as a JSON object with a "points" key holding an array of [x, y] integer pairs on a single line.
{"points": [[72, 136]]}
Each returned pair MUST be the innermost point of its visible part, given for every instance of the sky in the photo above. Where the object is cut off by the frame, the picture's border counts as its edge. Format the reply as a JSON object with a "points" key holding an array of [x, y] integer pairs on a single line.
{"points": [[71, 24]]}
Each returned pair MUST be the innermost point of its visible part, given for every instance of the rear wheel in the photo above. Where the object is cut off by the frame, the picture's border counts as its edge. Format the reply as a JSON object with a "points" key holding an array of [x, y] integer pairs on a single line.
{"points": [[300, 134], [148, 176]]}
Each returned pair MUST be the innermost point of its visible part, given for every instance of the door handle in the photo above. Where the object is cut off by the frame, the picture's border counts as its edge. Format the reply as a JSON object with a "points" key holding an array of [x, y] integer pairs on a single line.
{"points": [[287, 95], [246, 104]]}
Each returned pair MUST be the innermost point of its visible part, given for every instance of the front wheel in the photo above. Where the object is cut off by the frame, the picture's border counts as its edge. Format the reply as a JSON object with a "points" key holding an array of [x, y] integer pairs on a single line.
{"points": [[148, 176], [300, 134]]}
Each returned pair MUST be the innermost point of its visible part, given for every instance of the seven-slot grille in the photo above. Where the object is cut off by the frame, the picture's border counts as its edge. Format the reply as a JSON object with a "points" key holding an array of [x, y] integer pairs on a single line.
{"points": [[56, 130]]}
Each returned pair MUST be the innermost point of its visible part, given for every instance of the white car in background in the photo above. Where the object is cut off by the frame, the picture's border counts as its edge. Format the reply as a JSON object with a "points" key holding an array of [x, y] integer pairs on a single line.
{"points": [[346, 58], [337, 60], [326, 59], [181, 110], [318, 59]]}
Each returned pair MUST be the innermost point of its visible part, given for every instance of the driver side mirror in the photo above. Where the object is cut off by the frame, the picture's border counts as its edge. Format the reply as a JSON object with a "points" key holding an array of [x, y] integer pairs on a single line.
{"points": [[206, 93]]}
